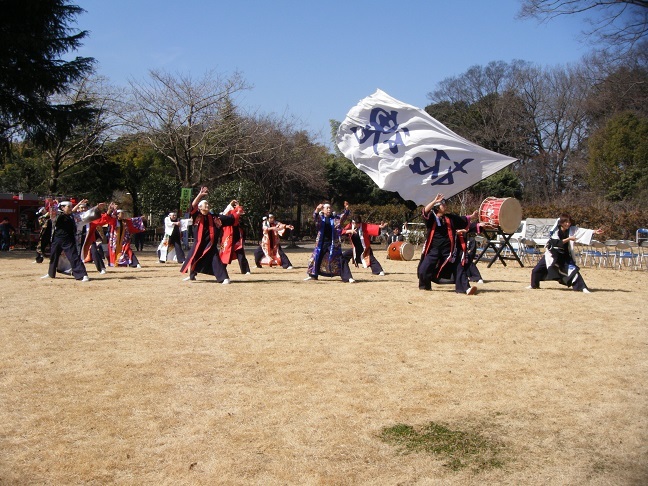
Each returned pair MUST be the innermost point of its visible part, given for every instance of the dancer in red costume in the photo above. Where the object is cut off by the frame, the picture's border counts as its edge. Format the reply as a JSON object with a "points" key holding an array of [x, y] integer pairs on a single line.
{"points": [[233, 239], [204, 257]]}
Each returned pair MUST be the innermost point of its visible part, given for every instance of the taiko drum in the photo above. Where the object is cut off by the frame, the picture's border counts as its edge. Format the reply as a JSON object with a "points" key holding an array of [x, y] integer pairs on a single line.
{"points": [[400, 250], [505, 213]]}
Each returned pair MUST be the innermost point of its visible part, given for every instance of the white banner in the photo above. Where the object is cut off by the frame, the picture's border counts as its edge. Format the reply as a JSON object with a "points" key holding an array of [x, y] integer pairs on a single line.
{"points": [[403, 149]]}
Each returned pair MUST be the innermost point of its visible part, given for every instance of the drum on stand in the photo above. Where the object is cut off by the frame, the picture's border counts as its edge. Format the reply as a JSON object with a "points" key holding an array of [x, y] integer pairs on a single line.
{"points": [[505, 213], [400, 250]]}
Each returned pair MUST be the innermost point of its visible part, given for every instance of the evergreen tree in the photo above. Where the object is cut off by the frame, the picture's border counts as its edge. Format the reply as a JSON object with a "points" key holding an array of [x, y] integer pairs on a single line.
{"points": [[34, 36], [618, 161]]}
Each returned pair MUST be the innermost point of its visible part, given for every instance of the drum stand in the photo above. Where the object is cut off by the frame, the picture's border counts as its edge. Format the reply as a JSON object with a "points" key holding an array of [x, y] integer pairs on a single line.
{"points": [[498, 246]]}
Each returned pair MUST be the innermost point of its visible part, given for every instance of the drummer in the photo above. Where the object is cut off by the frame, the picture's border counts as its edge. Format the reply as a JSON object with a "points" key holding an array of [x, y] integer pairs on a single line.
{"points": [[395, 236], [441, 258], [360, 237]]}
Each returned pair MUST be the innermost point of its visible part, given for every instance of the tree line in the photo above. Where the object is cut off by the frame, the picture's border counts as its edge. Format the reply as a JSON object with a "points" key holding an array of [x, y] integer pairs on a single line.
{"points": [[578, 131]]}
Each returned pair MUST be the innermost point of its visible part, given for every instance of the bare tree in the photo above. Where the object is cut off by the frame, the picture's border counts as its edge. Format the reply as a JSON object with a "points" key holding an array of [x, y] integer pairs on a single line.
{"points": [[483, 105], [554, 102], [535, 115], [70, 146], [296, 167], [619, 24], [253, 145], [618, 85], [196, 126]]}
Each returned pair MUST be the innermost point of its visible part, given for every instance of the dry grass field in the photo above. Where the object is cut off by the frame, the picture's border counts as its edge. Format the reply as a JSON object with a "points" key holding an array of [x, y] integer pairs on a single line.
{"points": [[137, 377]]}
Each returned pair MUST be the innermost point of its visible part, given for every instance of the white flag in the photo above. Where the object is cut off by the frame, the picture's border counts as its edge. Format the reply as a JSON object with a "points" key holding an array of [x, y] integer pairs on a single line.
{"points": [[403, 149]]}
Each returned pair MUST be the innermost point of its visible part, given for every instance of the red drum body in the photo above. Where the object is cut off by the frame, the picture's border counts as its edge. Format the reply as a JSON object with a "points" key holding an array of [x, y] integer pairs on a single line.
{"points": [[400, 250], [505, 213]]}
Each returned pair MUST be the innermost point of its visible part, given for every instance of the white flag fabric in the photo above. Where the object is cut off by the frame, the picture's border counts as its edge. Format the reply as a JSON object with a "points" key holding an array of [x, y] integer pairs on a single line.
{"points": [[403, 149]]}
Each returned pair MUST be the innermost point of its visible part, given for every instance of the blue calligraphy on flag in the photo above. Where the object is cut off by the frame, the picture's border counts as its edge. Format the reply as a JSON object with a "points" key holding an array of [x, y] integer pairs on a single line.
{"points": [[381, 122], [403, 149], [447, 178]]}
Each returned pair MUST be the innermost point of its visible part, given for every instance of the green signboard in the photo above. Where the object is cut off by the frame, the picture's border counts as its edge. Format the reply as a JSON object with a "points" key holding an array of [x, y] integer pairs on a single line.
{"points": [[185, 199]]}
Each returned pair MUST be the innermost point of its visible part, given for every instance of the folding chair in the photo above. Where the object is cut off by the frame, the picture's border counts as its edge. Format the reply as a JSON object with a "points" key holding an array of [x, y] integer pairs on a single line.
{"points": [[530, 251], [518, 246], [579, 253], [610, 247], [643, 254], [598, 254], [624, 253]]}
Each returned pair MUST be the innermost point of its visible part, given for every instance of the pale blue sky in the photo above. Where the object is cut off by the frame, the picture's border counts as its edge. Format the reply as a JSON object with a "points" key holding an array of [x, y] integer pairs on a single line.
{"points": [[316, 59]]}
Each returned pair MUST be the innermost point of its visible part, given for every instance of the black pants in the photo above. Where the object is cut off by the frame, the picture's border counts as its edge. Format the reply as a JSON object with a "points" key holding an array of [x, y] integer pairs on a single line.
{"points": [[177, 246], [138, 239], [219, 270], [374, 264], [180, 255], [134, 262], [242, 261], [210, 264], [474, 275], [72, 254], [428, 270], [97, 257], [428, 267], [4, 242], [540, 272]]}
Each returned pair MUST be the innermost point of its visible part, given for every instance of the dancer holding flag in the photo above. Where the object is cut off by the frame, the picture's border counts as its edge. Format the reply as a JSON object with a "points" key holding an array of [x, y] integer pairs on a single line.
{"points": [[403, 149], [444, 254]]}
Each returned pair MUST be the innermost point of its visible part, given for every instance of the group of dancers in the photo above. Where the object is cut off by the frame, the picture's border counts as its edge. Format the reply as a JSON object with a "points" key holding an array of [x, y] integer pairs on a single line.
{"points": [[447, 255], [75, 236]]}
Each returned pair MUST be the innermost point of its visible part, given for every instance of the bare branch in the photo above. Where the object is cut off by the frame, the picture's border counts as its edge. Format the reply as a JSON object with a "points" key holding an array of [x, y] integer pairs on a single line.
{"points": [[619, 24]]}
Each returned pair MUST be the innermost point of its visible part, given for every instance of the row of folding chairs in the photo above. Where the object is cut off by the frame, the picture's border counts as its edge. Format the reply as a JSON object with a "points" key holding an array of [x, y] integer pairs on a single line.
{"points": [[617, 254], [528, 250]]}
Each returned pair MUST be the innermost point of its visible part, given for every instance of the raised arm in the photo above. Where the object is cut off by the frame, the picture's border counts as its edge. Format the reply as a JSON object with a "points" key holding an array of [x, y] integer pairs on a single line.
{"points": [[427, 209], [199, 197], [345, 213], [80, 203]]}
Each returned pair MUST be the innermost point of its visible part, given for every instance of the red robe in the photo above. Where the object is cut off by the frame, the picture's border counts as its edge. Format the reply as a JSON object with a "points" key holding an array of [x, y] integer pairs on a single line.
{"points": [[90, 239], [270, 243], [119, 239], [229, 244], [201, 248]]}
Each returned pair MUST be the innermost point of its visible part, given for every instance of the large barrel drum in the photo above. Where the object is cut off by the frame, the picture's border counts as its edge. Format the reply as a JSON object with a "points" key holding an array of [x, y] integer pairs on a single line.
{"points": [[400, 250], [505, 213]]}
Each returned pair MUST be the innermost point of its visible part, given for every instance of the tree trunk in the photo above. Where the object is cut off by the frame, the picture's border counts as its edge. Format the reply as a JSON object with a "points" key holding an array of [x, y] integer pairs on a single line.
{"points": [[54, 177]]}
